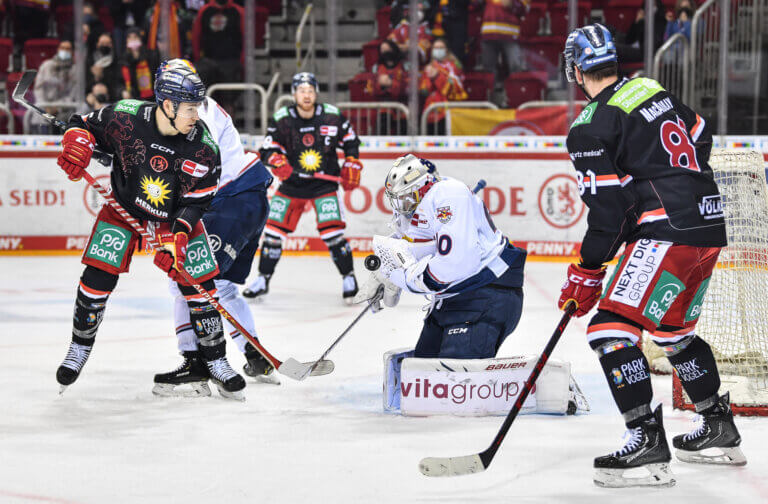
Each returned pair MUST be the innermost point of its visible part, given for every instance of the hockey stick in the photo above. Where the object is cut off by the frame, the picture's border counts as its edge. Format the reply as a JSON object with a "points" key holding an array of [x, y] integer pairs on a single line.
{"points": [[321, 176], [479, 462], [318, 368]]}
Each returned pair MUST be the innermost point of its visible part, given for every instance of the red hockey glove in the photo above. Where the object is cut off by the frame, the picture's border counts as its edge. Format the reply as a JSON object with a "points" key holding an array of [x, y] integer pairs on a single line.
{"points": [[280, 167], [173, 261], [78, 148], [350, 173], [583, 286]]}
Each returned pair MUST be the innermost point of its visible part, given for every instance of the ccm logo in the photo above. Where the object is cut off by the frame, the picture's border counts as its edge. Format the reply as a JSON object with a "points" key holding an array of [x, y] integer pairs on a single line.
{"points": [[162, 148], [589, 282], [84, 141], [458, 330]]}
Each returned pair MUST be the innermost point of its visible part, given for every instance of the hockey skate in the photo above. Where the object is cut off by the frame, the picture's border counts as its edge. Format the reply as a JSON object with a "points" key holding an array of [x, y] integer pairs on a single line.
{"points": [[647, 450], [192, 372], [77, 356], [229, 383], [258, 367], [349, 288], [258, 289], [715, 441]]}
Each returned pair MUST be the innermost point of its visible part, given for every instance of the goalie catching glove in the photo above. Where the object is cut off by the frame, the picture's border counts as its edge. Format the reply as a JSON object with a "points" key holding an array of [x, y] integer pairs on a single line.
{"points": [[172, 261], [583, 286]]}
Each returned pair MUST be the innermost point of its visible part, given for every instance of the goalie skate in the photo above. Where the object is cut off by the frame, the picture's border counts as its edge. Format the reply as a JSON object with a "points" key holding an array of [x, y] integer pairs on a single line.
{"points": [[715, 441], [258, 367], [643, 461], [229, 383], [192, 373]]}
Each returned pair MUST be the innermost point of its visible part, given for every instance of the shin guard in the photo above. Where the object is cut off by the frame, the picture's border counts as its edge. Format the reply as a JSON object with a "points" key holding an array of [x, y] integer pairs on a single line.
{"points": [[341, 253], [695, 365]]}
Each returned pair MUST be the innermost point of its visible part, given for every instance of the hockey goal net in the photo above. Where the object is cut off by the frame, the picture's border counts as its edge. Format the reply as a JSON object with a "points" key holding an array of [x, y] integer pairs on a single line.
{"points": [[734, 317]]}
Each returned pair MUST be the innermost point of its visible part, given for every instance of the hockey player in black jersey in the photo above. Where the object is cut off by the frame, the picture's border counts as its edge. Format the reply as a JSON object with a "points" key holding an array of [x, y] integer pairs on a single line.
{"points": [[641, 165], [300, 148], [165, 171]]}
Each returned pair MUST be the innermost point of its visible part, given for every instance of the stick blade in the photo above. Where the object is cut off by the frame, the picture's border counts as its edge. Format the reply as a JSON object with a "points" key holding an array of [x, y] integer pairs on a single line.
{"points": [[23, 85], [435, 467], [300, 370]]}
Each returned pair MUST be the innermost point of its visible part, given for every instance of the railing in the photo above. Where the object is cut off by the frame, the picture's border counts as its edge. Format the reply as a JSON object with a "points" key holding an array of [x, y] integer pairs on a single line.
{"points": [[29, 114], [542, 103], [11, 124], [282, 100], [670, 66], [310, 55], [451, 104], [377, 122], [247, 86], [703, 57]]}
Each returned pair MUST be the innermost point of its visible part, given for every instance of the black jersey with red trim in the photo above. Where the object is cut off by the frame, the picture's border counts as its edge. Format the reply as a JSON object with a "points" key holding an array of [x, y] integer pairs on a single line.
{"points": [[310, 145], [155, 177], [641, 159]]}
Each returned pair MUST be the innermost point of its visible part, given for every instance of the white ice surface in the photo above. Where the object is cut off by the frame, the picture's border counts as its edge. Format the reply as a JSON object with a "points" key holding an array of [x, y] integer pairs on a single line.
{"points": [[323, 440]]}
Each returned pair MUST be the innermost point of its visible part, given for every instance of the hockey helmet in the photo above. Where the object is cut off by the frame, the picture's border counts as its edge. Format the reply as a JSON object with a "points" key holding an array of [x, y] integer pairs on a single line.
{"points": [[179, 84], [304, 78], [175, 63], [588, 48], [408, 181]]}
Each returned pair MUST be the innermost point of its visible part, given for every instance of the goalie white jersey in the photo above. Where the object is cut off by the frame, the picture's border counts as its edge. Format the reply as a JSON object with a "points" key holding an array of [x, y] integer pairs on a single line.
{"points": [[453, 226]]}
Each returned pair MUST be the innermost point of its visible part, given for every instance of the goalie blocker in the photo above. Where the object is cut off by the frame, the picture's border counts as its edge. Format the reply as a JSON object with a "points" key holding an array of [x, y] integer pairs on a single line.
{"points": [[476, 387]]}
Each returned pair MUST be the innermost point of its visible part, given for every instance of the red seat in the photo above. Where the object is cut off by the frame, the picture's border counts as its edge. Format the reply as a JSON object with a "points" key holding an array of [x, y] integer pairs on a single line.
{"points": [[524, 86], [65, 18], [38, 50], [371, 54], [478, 85], [558, 14], [621, 13], [274, 7], [529, 26], [16, 109], [360, 87], [6, 50], [543, 53], [383, 26]]}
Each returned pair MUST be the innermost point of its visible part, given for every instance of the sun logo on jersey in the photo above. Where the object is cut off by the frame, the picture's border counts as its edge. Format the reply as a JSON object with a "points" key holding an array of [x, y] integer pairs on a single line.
{"points": [[310, 160], [155, 190]]}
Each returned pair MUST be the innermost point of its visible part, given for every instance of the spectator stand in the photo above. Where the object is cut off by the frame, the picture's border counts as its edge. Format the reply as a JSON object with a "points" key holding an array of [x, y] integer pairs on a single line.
{"points": [[264, 94], [423, 126], [670, 66], [38, 50]]}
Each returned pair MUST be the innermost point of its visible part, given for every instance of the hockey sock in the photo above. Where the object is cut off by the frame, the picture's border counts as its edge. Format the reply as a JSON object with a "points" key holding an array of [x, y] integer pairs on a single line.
{"points": [[271, 250], [230, 298], [206, 322], [626, 370], [92, 294], [695, 365], [341, 253], [187, 339]]}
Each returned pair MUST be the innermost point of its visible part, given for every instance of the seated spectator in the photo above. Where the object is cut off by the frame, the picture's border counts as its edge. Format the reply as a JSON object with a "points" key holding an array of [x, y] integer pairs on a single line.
{"points": [[633, 48], [139, 65], [442, 80], [500, 33], [680, 21], [103, 67], [55, 82], [125, 14], [390, 84], [218, 41], [180, 26], [401, 33], [98, 97]]}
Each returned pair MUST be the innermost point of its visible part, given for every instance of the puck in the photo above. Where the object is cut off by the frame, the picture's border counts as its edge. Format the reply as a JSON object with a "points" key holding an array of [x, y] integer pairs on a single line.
{"points": [[372, 262]]}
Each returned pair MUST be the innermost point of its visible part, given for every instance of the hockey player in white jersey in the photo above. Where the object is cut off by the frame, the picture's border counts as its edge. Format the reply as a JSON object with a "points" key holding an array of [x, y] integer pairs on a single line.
{"points": [[445, 246], [234, 222]]}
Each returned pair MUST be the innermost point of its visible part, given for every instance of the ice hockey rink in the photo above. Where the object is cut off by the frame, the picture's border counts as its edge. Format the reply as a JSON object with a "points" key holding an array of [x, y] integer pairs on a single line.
{"points": [[107, 439]]}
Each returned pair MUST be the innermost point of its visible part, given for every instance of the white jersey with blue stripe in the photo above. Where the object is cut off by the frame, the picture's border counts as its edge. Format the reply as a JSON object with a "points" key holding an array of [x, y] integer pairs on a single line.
{"points": [[234, 160], [467, 250]]}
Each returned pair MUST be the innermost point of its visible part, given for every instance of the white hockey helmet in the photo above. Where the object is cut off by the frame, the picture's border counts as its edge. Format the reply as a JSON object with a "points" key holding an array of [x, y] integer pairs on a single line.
{"points": [[408, 181]]}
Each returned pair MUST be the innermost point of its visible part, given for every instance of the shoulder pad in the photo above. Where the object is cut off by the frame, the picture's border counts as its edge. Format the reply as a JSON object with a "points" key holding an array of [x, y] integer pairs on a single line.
{"points": [[283, 112], [330, 109], [128, 106], [634, 93]]}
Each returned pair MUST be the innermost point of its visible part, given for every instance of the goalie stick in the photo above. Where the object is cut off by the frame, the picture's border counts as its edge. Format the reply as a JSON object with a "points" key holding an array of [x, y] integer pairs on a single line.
{"points": [[479, 462], [290, 367]]}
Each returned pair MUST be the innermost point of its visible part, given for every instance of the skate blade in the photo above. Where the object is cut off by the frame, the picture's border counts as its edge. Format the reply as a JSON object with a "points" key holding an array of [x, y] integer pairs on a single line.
{"points": [[198, 389], [659, 475], [62, 388], [236, 395], [349, 301], [726, 456], [300, 370], [269, 379]]}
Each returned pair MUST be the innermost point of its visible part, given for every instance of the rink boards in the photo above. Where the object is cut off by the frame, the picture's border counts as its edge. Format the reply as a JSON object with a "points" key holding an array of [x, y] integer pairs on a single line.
{"points": [[531, 192]]}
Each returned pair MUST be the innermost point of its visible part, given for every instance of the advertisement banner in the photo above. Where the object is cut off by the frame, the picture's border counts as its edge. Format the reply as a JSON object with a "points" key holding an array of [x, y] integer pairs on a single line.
{"points": [[550, 120]]}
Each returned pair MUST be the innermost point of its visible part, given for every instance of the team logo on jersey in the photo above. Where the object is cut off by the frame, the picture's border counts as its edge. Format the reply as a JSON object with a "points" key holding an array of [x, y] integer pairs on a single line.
{"points": [[326, 130], [215, 242], [155, 190], [310, 160], [444, 214], [308, 140], [158, 163], [194, 169]]}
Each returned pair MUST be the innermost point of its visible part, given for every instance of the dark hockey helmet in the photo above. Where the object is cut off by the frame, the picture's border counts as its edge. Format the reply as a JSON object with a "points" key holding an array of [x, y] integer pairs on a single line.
{"points": [[304, 78], [178, 84], [588, 48], [175, 63]]}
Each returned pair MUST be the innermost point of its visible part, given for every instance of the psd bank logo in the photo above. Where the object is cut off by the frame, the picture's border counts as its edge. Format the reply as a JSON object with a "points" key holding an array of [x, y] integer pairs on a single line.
{"points": [[559, 201]]}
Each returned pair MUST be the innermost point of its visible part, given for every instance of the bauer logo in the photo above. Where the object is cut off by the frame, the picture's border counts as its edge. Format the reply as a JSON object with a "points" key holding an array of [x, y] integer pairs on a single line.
{"points": [[108, 244], [559, 201], [639, 267], [711, 207]]}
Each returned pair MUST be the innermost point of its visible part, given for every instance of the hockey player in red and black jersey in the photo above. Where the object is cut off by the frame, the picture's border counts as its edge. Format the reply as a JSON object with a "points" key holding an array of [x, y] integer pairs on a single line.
{"points": [[300, 148], [641, 159], [165, 172]]}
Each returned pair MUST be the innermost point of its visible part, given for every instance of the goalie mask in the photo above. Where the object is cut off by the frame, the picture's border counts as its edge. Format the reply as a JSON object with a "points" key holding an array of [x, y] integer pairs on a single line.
{"points": [[408, 181]]}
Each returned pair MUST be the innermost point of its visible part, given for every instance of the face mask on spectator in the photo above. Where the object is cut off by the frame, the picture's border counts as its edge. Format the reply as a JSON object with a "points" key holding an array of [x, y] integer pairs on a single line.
{"points": [[64, 55], [133, 44], [687, 11], [389, 59], [105, 50], [438, 53], [101, 98]]}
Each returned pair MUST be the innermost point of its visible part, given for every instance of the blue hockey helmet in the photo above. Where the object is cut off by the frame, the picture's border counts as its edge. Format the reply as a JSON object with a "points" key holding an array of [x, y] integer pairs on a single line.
{"points": [[178, 84], [304, 78], [175, 63], [588, 48]]}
